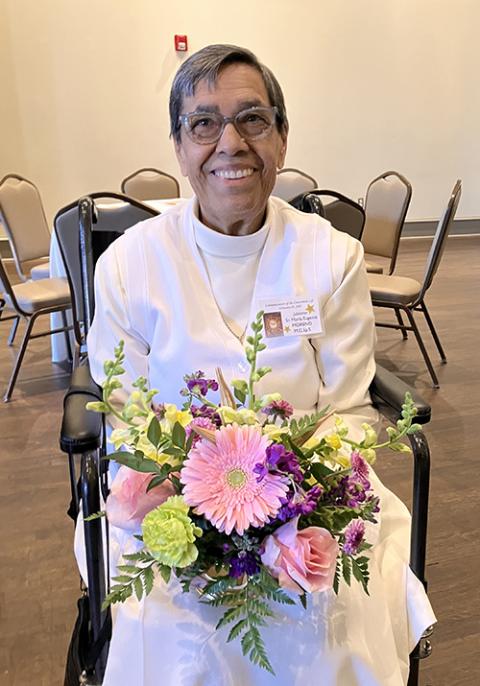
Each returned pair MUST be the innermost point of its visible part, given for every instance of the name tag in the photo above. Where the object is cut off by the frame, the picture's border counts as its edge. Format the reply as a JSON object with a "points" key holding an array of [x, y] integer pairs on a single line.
{"points": [[291, 317]]}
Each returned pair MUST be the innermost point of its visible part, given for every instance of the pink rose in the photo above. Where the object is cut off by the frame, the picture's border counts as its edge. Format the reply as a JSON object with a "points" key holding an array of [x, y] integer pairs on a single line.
{"points": [[301, 560], [129, 502]]}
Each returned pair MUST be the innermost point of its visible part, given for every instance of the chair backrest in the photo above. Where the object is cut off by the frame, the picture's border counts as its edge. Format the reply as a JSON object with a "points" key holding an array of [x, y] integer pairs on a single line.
{"points": [[150, 184], [386, 205], [6, 290], [23, 216], [292, 182], [439, 240], [109, 219], [343, 213]]}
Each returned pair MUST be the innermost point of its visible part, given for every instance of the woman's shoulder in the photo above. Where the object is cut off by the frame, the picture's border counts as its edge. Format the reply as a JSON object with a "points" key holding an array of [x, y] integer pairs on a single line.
{"points": [[311, 226], [150, 234]]}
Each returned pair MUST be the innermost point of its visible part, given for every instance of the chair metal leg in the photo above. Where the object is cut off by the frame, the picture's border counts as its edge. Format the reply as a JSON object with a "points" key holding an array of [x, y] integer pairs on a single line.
{"points": [[401, 324], [67, 336], [423, 308], [422, 347], [18, 362], [13, 331]]}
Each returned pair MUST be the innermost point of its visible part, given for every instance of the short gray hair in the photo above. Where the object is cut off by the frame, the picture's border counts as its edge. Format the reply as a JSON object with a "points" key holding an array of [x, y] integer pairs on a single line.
{"points": [[206, 64]]}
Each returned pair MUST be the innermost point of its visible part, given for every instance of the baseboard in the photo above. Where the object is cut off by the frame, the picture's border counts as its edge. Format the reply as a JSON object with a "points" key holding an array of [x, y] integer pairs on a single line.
{"points": [[428, 228]]}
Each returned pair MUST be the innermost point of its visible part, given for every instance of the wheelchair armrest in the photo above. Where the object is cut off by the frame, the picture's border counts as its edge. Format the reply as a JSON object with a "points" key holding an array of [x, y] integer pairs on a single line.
{"points": [[388, 393], [81, 428]]}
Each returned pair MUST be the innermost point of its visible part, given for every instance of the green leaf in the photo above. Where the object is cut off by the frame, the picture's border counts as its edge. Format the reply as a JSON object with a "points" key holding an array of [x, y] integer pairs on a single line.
{"points": [[229, 616], [239, 395], [173, 450], [236, 630], [336, 578], [320, 471], [138, 586], [122, 578], [134, 461], [360, 571], [148, 577], [128, 569], [95, 515], [303, 600], [154, 432], [165, 573], [156, 481], [178, 435], [347, 569]]}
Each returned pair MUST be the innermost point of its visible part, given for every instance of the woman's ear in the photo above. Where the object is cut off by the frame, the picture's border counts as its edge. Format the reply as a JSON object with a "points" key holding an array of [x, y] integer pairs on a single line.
{"points": [[282, 154], [180, 153]]}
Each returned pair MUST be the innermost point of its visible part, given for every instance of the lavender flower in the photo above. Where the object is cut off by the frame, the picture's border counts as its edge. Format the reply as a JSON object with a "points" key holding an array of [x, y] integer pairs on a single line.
{"points": [[359, 468], [243, 563], [354, 534], [203, 422]]}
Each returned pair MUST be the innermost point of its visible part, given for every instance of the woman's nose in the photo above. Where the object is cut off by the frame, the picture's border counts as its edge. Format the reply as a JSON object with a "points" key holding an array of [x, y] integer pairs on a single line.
{"points": [[231, 141]]}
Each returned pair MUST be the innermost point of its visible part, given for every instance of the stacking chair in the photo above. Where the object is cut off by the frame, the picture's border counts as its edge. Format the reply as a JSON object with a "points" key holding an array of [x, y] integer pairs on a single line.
{"points": [[28, 301], [23, 216], [110, 220], [82, 439], [386, 205], [291, 183], [407, 295], [150, 184], [343, 213]]}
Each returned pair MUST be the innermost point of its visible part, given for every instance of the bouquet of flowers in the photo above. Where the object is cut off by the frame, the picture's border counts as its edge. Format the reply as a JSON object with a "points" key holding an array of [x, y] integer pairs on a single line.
{"points": [[240, 500]]}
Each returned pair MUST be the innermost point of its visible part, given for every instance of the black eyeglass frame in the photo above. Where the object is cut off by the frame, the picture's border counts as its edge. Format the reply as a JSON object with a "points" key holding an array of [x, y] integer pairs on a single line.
{"points": [[183, 119]]}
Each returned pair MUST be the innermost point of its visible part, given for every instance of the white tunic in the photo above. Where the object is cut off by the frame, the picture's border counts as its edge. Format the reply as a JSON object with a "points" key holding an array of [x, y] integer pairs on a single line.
{"points": [[154, 291]]}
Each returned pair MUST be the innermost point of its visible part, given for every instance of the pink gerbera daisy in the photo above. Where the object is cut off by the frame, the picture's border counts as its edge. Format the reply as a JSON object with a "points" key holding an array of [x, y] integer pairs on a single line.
{"points": [[220, 482]]}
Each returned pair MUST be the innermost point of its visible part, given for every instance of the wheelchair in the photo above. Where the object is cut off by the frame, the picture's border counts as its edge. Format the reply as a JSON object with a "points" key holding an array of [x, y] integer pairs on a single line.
{"points": [[84, 230]]}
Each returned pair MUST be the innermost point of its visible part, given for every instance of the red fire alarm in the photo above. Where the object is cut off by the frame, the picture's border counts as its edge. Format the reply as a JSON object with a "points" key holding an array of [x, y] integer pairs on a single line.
{"points": [[181, 43]]}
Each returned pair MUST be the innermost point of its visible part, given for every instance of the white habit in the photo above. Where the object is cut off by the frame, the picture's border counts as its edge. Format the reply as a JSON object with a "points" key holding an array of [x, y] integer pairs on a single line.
{"points": [[180, 296]]}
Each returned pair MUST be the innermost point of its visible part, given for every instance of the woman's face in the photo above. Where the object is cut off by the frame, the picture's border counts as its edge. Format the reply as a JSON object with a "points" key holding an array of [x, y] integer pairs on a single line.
{"points": [[231, 205]]}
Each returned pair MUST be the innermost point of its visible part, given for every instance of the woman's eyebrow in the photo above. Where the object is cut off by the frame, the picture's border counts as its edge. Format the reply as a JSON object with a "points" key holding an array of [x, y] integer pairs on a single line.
{"points": [[244, 105]]}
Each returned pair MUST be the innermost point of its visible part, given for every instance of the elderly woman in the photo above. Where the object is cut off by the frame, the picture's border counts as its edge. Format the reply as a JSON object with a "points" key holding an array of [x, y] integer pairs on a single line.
{"points": [[181, 290]]}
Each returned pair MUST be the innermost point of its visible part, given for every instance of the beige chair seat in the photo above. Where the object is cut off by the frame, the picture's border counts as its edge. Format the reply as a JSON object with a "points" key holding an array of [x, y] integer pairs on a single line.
{"points": [[34, 295], [393, 289], [373, 267], [40, 271]]}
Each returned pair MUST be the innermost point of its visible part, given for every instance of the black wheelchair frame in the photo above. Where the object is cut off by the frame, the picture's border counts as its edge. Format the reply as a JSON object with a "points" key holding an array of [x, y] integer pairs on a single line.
{"points": [[82, 438]]}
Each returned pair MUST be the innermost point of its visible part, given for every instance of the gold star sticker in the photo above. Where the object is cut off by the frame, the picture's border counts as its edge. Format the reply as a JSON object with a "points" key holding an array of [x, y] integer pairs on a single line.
{"points": [[287, 329], [310, 309]]}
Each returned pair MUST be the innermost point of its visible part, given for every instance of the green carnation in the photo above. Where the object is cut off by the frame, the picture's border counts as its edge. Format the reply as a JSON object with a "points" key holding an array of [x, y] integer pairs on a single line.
{"points": [[169, 533]]}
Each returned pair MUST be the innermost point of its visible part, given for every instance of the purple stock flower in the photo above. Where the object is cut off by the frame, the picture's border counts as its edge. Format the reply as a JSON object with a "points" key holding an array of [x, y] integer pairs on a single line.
{"points": [[197, 383], [277, 458], [354, 534], [296, 504], [278, 408], [208, 413], [243, 563]]}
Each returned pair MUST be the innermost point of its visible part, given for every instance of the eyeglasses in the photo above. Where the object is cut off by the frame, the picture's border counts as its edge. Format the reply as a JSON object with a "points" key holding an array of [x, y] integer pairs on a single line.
{"points": [[207, 127]]}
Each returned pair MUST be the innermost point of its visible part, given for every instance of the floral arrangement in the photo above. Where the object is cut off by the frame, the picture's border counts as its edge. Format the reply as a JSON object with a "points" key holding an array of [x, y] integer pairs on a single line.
{"points": [[240, 500]]}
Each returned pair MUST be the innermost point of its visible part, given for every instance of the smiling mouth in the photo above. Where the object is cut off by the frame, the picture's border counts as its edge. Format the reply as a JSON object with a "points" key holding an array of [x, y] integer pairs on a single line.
{"points": [[233, 173]]}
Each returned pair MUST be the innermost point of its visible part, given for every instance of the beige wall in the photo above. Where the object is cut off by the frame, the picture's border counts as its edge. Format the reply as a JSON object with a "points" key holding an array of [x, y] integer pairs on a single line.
{"points": [[370, 85]]}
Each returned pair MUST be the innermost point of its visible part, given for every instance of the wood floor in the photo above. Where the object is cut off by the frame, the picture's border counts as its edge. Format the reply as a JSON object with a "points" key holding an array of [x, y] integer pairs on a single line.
{"points": [[39, 586]]}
